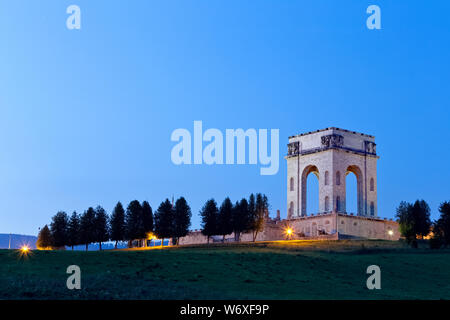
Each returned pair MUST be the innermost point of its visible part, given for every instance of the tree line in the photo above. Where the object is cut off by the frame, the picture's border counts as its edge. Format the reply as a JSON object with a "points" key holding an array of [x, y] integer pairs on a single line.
{"points": [[137, 222], [415, 223], [244, 216]]}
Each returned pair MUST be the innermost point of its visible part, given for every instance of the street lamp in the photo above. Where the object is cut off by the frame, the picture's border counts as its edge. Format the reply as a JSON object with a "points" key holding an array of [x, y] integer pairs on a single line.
{"points": [[25, 249], [289, 232]]}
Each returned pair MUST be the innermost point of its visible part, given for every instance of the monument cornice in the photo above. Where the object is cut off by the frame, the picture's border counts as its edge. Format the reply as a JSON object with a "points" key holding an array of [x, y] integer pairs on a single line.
{"points": [[322, 149], [331, 128]]}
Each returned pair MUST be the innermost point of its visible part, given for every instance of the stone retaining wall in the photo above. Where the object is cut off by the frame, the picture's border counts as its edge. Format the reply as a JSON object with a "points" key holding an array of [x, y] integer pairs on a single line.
{"points": [[310, 227]]}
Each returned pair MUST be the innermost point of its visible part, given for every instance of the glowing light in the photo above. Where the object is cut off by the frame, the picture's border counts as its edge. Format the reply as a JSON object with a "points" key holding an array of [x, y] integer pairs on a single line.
{"points": [[25, 249], [24, 252], [151, 236], [390, 232], [289, 232], [44, 248]]}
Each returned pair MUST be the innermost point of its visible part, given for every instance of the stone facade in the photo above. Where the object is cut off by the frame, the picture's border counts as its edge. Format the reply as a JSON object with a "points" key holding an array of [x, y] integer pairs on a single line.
{"points": [[312, 227], [331, 154], [273, 230], [348, 227]]}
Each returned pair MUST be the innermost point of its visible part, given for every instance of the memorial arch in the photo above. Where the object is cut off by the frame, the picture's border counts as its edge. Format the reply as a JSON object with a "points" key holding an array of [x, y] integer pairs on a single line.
{"points": [[311, 169], [353, 169], [331, 154]]}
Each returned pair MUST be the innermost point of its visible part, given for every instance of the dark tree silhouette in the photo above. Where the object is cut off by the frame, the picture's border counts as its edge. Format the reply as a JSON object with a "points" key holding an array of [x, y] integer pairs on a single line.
{"points": [[241, 218], [87, 227], [210, 217], [406, 223], [117, 224], [258, 215], [101, 226], [421, 214], [164, 221], [414, 220], [225, 224], [58, 229], [251, 207], [147, 218], [181, 219], [441, 230], [44, 240], [133, 222], [73, 230]]}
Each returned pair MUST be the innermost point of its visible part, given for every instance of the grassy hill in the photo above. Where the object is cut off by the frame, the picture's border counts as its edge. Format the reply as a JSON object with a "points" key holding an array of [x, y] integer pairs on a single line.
{"points": [[270, 270]]}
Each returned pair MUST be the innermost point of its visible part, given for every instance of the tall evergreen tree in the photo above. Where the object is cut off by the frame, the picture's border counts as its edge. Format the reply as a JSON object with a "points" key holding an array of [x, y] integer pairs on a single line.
{"points": [[441, 230], [406, 222], [101, 226], [117, 224], [133, 222], [147, 218], [252, 206], [225, 224], [181, 219], [87, 227], [253, 213], [73, 230], [414, 220], [241, 218], [58, 229], [258, 215], [421, 214], [210, 217], [164, 221], [44, 240]]}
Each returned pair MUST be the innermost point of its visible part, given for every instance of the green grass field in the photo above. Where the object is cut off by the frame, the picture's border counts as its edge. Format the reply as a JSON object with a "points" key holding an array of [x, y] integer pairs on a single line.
{"points": [[271, 270]]}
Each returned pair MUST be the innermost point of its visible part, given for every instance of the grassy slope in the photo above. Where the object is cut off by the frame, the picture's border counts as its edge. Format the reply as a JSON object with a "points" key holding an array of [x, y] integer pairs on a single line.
{"points": [[298, 270]]}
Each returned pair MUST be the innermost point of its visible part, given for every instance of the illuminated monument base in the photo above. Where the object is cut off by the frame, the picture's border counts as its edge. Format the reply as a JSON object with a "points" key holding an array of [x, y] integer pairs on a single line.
{"points": [[313, 227]]}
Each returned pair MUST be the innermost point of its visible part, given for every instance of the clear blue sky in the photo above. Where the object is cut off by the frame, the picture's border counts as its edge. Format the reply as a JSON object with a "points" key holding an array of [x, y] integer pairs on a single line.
{"points": [[86, 116]]}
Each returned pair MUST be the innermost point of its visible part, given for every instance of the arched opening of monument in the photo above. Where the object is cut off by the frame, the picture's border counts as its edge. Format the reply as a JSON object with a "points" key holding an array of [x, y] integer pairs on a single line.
{"points": [[313, 195], [351, 193], [353, 190], [310, 187]]}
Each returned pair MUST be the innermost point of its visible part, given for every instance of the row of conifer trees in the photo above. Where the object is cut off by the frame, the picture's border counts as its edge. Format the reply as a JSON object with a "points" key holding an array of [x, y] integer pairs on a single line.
{"points": [[170, 220], [415, 223], [244, 216], [95, 226]]}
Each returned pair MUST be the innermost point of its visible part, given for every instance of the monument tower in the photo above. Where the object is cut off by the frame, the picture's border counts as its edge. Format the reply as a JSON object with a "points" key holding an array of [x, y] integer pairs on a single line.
{"points": [[331, 154]]}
